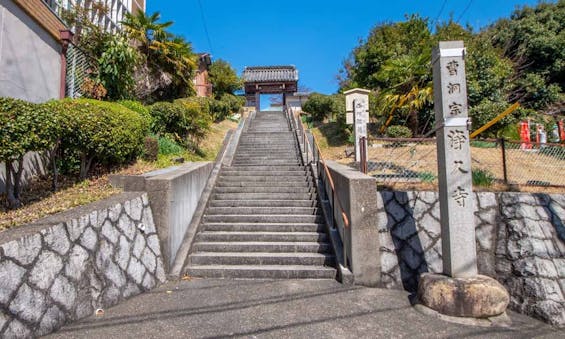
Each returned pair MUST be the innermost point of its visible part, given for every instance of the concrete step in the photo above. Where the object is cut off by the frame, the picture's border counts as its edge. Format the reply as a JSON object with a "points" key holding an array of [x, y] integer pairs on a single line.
{"points": [[265, 158], [262, 271], [263, 196], [266, 168], [268, 154], [252, 145], [251, 174], [266, 218], [291, 152], [268, 134], [266, 141], [267, 137], [258, 133], [264, 190], [265, 178], [263, 203], [273, 183], [247, 236], [262, 246], [295, 211], [258, 152], [270, 162], [255, 146], [268, 150], [260, 258], [264, 227]]}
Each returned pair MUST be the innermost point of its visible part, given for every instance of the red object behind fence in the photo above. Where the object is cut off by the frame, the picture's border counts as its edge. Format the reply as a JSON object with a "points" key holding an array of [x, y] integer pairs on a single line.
{"points": [[525, 135], [561, 131]]}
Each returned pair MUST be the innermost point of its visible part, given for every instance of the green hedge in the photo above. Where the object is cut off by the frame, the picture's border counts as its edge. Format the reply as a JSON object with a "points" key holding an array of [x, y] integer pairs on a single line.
{"points": [[321, 106], [142, 110], [24, 127], [186, 120], [217, 109], [98, 131], [397, 131]]}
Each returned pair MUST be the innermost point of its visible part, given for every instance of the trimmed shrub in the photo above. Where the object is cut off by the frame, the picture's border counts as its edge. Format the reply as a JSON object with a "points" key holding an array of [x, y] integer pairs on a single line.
{"points": [[397, 131], [320, 106], [233, 103], [332, 107], [98, 131], [219, 109], [185, 120], [202, 103], [24, 127], [142, 110]]}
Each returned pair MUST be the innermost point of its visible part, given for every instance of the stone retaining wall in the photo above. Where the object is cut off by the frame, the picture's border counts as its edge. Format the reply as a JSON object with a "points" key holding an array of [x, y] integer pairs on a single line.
{"points": [[64, 267], [520, 242]]}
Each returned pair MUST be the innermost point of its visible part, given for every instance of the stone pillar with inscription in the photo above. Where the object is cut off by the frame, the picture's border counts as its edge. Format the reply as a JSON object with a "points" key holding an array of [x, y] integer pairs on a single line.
{"points": [[460, 291], [454, 160]]}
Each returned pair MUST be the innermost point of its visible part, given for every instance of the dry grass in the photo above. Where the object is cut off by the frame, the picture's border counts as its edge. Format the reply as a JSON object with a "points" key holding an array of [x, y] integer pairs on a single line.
{"points": [[39, 201], [421, 158]]}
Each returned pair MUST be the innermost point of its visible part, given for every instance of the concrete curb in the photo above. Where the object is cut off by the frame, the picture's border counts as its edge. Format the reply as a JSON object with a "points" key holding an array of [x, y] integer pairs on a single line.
{"points": [[345, 276], [224, 158]]}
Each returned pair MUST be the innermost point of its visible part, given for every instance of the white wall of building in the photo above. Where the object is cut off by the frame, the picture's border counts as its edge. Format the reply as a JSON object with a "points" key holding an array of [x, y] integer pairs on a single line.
{"points": [[30, 59]]}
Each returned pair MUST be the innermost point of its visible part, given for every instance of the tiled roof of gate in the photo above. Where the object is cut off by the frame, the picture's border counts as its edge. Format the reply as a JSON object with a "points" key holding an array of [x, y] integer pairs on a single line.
{"points": [[270, 73]]}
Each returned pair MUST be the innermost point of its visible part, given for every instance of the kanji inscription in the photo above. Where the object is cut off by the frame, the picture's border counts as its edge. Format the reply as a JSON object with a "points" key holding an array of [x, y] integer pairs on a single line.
{"points": [[457, 139]]}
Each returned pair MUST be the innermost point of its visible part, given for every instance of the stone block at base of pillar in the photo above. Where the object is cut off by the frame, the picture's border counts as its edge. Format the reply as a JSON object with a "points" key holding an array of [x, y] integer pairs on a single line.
{"points": [[502, 320], [474, 297]]}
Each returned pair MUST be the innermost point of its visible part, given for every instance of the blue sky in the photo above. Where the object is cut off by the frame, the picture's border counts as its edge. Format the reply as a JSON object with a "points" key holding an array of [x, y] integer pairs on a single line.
{"points": [[315, 36]]}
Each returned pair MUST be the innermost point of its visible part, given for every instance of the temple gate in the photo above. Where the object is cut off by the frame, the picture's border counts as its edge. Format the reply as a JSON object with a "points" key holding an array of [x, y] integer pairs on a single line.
{"points": [[269, 80]]}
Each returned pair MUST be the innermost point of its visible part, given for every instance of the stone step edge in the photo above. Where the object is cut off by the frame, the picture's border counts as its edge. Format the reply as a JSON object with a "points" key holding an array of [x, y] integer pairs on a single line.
{"points": [[265, 267]]}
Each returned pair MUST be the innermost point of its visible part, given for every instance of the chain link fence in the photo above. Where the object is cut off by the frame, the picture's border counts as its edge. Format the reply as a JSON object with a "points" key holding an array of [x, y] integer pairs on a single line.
{"points": [[79, 68], [414, 161], [534, 163]]}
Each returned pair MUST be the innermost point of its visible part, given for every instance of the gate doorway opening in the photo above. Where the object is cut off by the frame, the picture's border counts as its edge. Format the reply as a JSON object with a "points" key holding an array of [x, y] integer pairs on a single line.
{"points": [[271, 102]]}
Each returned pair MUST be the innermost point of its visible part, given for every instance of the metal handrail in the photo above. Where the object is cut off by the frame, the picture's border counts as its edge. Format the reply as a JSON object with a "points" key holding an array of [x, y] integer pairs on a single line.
{"points": [[305, 141]]}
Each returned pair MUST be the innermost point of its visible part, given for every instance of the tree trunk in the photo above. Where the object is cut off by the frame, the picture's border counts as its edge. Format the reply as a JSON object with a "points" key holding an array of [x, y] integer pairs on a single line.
{"points": [[18, 179], [413, 122], [53, 158], [12, 200], [85, 163]]}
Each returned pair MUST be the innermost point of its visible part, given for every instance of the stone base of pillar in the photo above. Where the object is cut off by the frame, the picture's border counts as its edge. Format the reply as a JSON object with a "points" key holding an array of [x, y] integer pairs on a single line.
{"points": [[502, 320], [475, 297]]}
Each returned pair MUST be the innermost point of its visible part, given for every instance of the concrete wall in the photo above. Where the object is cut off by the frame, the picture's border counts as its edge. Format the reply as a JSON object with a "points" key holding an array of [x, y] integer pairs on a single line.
{"points": [[357, 194], [520, 242], [174, 193], [30, 68], [64, 267], [30, 61], [34, 164]]}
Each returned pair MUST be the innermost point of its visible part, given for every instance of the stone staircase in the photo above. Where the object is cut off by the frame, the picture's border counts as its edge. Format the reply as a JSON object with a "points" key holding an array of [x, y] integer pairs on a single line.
{"points": [[263, 219]]}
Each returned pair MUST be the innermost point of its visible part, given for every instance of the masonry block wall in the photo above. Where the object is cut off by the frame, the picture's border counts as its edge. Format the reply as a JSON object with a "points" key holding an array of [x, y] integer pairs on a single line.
{"points": [[520, 241], [64, 267]]}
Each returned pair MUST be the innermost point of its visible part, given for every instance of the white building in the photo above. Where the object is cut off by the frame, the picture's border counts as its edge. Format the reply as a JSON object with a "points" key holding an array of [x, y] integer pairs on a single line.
{"points": [[116, 9]]}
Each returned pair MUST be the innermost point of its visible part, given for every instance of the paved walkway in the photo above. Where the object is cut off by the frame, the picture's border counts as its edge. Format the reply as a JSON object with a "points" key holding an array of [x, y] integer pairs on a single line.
{"points": [[281, 309]]}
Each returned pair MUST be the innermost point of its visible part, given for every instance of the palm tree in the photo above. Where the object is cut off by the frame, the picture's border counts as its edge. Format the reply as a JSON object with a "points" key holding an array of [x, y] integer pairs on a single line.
{"points": [[409, 87], [168, 59], [146, 30]]}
